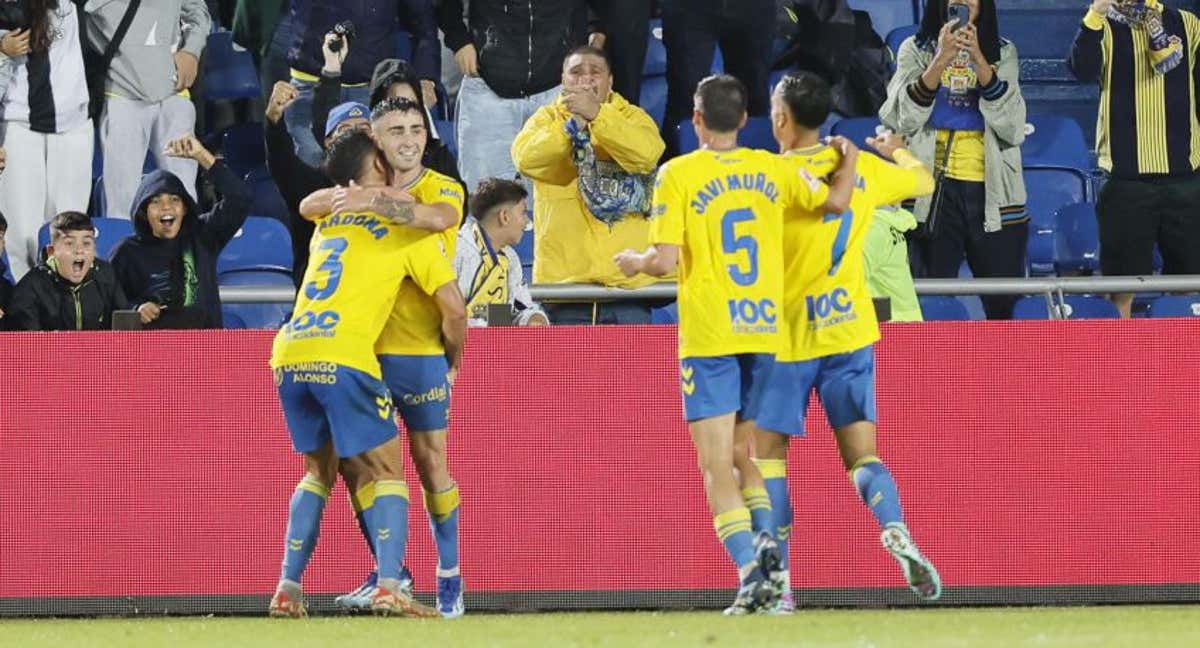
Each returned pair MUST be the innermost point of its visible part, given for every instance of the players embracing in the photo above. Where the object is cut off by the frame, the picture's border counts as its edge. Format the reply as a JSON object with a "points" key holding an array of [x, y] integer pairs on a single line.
{"points": [[419, 350]]}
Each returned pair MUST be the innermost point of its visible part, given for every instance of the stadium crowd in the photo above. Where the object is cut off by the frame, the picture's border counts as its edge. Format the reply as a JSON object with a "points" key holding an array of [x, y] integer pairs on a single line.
{"points": [[524, 121]]}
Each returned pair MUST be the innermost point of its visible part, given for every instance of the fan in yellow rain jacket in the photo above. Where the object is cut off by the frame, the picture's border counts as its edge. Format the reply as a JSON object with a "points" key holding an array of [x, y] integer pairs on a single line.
{"points": [[590, 151]]}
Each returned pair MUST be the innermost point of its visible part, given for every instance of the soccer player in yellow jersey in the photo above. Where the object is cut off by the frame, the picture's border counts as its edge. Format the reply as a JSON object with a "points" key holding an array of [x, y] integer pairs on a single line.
{"points": [[329, 380], [717, 213], [420, 349], [830, 320]]}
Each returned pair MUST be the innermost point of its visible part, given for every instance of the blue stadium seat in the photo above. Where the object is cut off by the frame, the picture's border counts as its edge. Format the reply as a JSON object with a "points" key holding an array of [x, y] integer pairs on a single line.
{"points": [[1055, 141], [857, 129], [1050, 189], [1075, 307], [656, 53], [242, 147], [445, 131], [1176, 306], [1041, 30], [1040, 247], [109, 232], [943, 308], [1074, 100], [267, 199], [262, 244], [756, 135], [654, 97], [668, 314], [256, 315], [229, 71], [886, 15], [896, 37], [1077, 240]]}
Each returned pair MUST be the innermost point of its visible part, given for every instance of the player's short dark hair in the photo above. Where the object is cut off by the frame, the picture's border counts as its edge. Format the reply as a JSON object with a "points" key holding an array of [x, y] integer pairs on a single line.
{"points": [[347, 155], [396, 104], [70, 221], [588, 50], [722, 102], [807, 97], [494, 192]]}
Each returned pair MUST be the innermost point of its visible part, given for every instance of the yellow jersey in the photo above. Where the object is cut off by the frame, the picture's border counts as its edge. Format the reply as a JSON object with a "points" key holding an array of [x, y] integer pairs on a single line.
{"points": [[724, 209], [827, 303], [358, 263], [414, 326]]}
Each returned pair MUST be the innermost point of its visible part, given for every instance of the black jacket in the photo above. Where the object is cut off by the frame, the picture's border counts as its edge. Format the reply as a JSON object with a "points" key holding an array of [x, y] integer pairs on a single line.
{"points": [[152, 269], [521, 44], [6, 290], [44, 301], [374, 37], [296, 180]]}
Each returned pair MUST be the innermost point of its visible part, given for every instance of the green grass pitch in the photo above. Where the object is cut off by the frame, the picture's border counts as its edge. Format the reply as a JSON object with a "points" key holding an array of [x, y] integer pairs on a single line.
{"points": [[1137, 626]]}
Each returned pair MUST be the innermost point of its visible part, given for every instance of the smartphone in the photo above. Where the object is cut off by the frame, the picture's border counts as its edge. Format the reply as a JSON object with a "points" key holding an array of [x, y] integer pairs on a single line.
{"points": [[959, 14]]}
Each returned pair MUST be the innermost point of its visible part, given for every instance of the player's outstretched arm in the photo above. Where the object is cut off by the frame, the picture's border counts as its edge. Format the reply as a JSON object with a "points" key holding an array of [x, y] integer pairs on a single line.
{"points": [[658, 260], [913, 178], [317, 204], [453, 308]]}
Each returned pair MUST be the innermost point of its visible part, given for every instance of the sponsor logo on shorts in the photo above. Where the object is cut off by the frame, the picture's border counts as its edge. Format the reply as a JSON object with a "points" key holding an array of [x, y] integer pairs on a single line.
{"points": [[437, 394]]}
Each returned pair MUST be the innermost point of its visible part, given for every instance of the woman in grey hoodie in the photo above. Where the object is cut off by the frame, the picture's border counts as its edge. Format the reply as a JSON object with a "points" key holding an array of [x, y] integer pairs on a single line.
{"points": [[955, 96]]}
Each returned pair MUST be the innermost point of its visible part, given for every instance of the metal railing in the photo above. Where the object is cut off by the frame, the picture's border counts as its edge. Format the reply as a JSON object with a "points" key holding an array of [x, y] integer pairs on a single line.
{"points": [[1054, 288]]}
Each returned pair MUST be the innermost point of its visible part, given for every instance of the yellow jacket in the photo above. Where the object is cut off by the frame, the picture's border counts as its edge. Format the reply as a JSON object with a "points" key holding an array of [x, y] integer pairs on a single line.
{"points": [[570, 245]]}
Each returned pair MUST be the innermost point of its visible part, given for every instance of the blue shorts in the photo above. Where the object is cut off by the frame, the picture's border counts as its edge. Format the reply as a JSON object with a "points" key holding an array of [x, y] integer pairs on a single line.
{"points": [[724, 384], [845, 383], [419, 390], [324, 402]]}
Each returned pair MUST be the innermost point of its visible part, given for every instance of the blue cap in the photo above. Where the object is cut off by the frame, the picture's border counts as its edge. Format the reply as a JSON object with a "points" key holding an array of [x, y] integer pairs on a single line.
{"points": [[345, 112]]}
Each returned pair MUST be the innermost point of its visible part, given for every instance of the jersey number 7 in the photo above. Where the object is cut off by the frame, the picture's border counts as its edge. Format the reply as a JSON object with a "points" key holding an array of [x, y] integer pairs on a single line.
{"points": [[846, 219]]}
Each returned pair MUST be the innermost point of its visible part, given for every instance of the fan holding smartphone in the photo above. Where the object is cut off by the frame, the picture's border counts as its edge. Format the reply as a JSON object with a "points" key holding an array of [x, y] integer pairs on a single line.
{"points": [[956, 97]]}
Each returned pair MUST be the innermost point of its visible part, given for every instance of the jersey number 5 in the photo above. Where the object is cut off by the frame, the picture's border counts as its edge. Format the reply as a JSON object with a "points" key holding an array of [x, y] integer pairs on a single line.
{"points": [[846, 219], [731, 243], [332, 265]]}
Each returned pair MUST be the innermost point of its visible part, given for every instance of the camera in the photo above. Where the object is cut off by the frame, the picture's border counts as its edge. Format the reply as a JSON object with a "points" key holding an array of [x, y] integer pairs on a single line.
{"points": [[13, 16], [344, 32], [959, 14]]}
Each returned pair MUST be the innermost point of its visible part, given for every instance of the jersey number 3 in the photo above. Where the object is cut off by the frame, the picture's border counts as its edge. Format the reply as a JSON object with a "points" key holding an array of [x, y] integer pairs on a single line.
{"points": [[332, 266], [731, 243]]}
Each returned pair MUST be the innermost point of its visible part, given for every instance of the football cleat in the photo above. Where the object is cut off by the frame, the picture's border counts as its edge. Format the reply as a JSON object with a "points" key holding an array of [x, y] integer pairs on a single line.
{"points": [[450, 596], [386, 602], [785, 607], [770, 560], [755, 594], [921, 575], [359, 599], [288, 603]]}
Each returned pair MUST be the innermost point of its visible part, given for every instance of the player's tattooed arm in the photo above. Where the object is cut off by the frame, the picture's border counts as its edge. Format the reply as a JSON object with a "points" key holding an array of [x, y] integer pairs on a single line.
{"points": [[398, 211], [402, 209]]}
